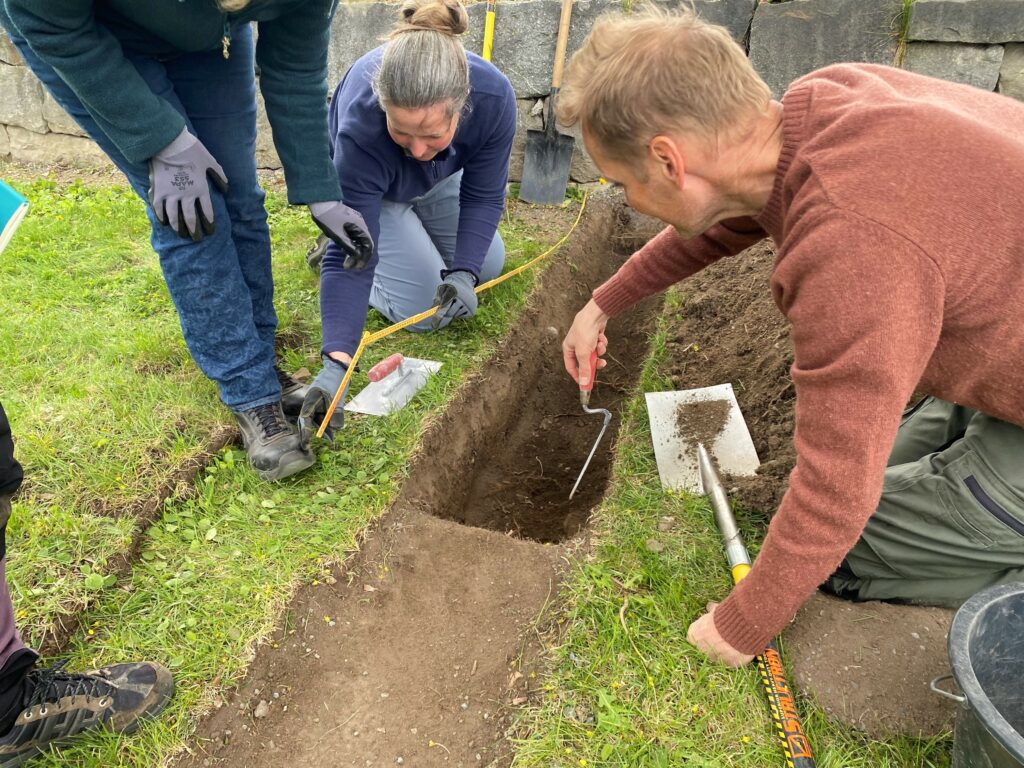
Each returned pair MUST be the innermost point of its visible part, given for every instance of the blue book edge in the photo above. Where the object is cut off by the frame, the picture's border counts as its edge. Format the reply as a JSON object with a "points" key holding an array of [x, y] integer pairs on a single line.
{"points": [[13, 207]]}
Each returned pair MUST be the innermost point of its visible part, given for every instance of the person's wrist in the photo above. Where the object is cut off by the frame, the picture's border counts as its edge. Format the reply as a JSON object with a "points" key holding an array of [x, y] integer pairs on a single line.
{"points": [[593, 314]]}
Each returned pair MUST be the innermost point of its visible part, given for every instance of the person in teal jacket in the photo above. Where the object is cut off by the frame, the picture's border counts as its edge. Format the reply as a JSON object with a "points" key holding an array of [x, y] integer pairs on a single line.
{"points": [[168, 90]]}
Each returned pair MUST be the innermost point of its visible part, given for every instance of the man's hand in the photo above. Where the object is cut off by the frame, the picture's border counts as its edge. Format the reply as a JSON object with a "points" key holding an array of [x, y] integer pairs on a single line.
{"points": [[178, 189], [318, 400], [345, 226], [455, 297], [585, 335], [705, 637]]}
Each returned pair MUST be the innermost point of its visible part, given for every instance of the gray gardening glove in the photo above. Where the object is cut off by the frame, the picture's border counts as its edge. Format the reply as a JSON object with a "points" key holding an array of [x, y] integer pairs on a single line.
{"points": [[455, 297], [318, 400], [178, 188], [345, 226]]}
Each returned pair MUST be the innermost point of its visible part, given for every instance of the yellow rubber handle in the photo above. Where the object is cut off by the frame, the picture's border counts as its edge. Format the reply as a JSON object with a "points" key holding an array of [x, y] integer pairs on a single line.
{"points": [[488, 33]]}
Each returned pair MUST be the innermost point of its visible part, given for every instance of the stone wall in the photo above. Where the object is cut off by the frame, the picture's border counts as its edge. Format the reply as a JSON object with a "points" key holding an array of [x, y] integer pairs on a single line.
{"points": [[979, 42]]}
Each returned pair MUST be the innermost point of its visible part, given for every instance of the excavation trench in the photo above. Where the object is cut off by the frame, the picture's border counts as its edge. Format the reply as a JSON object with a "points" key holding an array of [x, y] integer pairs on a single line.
{"points": [[516, 436], [424, 642]]}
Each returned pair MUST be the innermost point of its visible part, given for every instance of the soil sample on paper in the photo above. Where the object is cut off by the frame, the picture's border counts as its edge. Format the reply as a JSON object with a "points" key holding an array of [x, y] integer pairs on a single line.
{"points": [[701, 421]]}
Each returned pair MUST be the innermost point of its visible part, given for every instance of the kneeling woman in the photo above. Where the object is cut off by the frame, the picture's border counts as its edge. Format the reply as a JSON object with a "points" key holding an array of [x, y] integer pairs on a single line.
{"points": [[422, 132]]}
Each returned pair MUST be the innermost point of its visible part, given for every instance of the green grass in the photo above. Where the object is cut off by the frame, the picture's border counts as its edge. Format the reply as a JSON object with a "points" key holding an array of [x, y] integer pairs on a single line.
{"points": [[106, 403], [626, 688], [901, 25]]}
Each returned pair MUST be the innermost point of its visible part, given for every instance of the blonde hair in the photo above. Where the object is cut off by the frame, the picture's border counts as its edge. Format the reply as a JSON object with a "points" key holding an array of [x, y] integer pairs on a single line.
{"points": [[638, 76], [424, 62]]}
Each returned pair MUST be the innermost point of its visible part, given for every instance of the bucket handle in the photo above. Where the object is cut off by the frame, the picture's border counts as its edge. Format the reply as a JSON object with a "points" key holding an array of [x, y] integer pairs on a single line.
{"points": [[934, 685]]}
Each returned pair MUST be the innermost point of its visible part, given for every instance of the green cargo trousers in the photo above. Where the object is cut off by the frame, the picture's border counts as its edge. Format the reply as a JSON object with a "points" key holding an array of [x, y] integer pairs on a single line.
{"points": [[951, 518]]}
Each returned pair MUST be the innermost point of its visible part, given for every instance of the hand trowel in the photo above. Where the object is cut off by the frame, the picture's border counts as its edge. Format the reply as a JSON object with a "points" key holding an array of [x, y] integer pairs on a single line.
{"points": [[393, 383]]}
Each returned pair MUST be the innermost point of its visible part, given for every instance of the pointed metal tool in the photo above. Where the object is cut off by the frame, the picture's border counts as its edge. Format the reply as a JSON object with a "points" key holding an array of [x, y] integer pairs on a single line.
{"points": [[585, 402]]}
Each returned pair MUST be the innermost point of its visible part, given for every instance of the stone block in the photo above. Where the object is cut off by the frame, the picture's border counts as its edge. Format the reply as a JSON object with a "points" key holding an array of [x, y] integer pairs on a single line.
{"points": [[57, 120], [5, 144], [1011, 73], [55, 149], [21, 98], [967, 21], [734, 15], [976, 65], [357, 28], [788, 40], [524, 38], [8, 53]]}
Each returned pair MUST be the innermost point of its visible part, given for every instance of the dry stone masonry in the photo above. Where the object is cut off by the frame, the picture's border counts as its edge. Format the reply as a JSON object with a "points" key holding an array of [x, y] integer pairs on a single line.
{"points": [[978, 42]]}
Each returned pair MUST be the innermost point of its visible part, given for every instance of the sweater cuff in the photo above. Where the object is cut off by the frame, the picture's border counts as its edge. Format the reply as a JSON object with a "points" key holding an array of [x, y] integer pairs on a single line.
{"points": [[737, 630], [615, 296]]}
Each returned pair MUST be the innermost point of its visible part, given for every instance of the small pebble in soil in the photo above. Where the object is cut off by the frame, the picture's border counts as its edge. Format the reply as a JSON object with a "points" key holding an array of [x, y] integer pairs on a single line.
{"points": [[262, 710]]}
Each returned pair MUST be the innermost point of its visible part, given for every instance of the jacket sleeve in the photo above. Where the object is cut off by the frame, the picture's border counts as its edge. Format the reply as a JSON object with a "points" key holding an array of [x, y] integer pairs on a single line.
{"points": [[866, 314], [292, 55], [345, 293], [668, 258], [64, 34], [482, 195]]}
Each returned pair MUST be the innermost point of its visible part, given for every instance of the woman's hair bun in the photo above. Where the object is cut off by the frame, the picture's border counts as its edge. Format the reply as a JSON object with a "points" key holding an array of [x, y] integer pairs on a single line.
{"points": [[446, 16]]}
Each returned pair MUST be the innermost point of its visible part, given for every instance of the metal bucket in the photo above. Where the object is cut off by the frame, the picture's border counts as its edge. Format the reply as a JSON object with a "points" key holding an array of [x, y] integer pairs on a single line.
{"points": [[986, 653]]}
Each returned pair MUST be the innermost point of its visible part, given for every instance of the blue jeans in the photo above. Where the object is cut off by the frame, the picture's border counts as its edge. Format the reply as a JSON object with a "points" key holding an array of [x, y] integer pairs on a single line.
{"points": [[222, 286], [417, 241]]}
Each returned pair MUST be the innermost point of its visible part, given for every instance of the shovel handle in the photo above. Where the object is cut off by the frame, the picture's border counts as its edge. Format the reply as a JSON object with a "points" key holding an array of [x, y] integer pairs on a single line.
{"points": [[385, 367], [561, 44]]}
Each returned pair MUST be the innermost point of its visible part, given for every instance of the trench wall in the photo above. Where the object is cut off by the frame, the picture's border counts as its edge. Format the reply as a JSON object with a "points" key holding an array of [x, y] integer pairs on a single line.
{"points": [[979, 42]]}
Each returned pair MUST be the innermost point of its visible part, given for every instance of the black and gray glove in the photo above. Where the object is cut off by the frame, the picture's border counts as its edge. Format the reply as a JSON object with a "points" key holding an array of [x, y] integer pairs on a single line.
{"points": [[178, 188], [455, 297], [318, 400], [345, 226]]}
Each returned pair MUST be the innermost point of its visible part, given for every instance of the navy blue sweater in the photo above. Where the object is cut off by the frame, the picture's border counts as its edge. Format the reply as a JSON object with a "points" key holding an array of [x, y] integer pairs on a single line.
{"points": [[372, 168]]}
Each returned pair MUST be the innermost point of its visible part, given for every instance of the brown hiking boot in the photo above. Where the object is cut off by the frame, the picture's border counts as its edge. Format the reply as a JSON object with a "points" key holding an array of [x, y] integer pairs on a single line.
{"points": [[59, 705]]}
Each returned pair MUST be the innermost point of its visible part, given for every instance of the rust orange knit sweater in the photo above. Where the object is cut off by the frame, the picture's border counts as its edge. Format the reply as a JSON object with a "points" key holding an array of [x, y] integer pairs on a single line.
{"points": [[898, 215]]}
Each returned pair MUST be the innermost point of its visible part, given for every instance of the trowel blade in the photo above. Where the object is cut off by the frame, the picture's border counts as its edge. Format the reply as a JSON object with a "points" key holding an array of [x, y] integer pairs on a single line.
{"points": [[379, 398], [731, 448]]}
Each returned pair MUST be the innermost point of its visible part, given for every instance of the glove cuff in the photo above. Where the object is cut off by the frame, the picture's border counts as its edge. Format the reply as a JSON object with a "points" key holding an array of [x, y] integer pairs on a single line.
{"points": [[320, 208], [446, 272], [183, 141], [327, 360]]}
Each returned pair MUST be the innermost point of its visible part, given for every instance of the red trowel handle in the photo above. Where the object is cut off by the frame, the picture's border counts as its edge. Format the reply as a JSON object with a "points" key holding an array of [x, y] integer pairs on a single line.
{"points": [[385, 367], [593, 373]]}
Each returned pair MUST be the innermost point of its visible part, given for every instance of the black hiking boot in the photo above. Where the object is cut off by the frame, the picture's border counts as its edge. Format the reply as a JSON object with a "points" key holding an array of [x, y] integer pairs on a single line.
{"points": [[59, 705], [273, 444], [292, 393]]}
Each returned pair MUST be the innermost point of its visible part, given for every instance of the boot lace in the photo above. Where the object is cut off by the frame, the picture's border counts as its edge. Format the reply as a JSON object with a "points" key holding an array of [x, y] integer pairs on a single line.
{"points": [[51, 685], [270, 419]]}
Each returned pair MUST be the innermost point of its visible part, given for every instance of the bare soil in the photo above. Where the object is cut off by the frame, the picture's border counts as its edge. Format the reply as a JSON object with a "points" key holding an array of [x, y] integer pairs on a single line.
{"points": [[866, 664], [425, 643]]}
